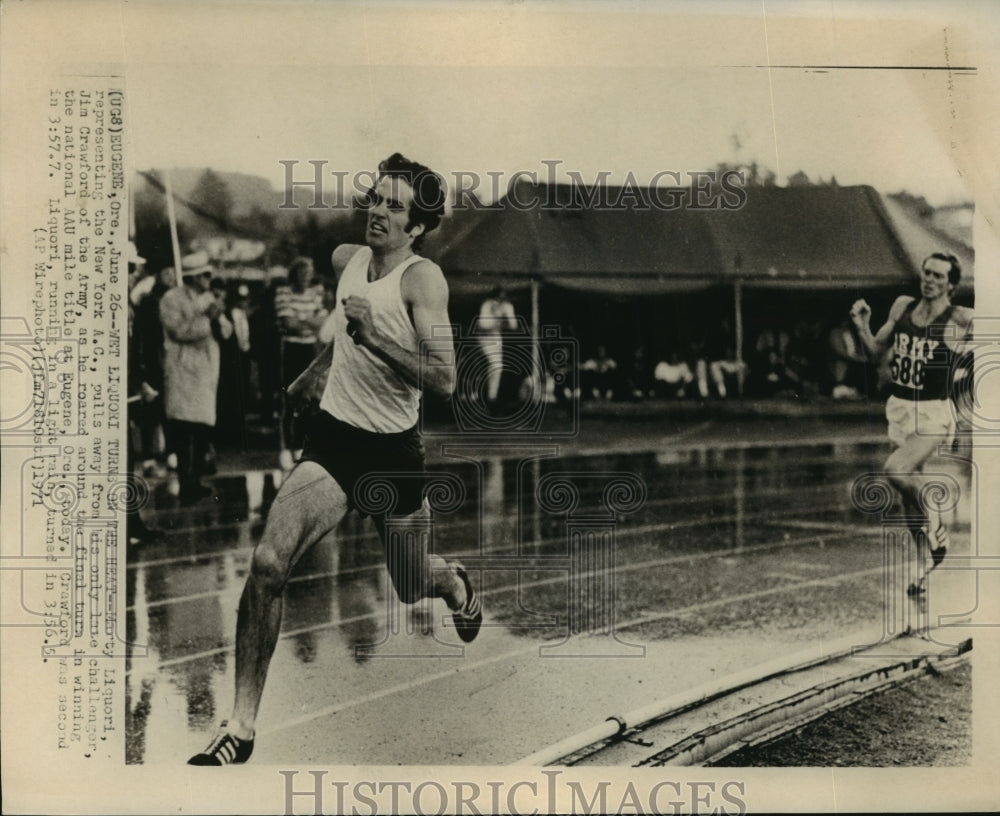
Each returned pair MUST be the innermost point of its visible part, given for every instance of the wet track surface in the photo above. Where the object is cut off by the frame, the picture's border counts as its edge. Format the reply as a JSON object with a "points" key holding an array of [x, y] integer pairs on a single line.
{"points": [[609, 582]]}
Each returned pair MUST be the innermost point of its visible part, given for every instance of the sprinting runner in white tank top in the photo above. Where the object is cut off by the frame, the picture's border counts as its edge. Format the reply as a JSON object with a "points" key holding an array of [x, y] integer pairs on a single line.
{"points": [[390, 302]]}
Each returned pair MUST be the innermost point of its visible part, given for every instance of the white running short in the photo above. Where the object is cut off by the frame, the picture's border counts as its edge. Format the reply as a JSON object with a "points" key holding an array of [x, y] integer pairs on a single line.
{"points": [[927, 418]]}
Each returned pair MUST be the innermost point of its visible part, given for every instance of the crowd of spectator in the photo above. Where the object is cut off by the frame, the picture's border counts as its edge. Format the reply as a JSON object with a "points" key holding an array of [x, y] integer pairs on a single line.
{"points": [[798, 361], [204, 356]]}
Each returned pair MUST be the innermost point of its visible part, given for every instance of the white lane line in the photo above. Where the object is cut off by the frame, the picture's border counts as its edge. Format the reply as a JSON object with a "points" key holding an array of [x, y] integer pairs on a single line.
{"points": [[644, 565], [454, 528], [399, 688], [665, 442], [739, 446], [504, 547], [833, 526]]}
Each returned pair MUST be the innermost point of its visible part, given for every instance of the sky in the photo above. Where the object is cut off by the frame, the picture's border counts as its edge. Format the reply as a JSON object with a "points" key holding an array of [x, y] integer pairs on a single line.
{"points": [[634, 88]]}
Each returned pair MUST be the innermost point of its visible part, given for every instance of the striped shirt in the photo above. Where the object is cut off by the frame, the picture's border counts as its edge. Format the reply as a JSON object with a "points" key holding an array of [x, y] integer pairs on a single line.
{"points": [[303, 306]]}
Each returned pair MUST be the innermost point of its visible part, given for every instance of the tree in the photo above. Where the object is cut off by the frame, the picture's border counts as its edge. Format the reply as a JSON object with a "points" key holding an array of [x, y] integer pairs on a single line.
{"points": [[212, 197], [467, 199], [799, 179], [754, 174], [258, 223]]}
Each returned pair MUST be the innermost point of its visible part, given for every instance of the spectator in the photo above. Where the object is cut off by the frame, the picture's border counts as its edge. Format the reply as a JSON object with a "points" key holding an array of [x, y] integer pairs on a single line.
{"points": [[640, 378], [140, 394], [770, 373], [230, 403], [846, 362], [698, 357], [240, 317], [672, 377], [496, 315], [148, 335], [727, 372], [599, 375], [802, 359], [562, 380], [266, 344], [190, 372], [300, 313], [144, 282]]}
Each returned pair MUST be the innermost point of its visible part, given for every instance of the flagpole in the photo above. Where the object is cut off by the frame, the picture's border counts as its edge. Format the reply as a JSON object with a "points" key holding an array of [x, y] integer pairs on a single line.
{"points": [[172, 217]]}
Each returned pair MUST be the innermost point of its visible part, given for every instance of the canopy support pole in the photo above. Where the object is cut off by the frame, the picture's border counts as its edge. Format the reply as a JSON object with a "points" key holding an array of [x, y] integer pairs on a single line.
{"points": [[536, 367], [738, 326]]}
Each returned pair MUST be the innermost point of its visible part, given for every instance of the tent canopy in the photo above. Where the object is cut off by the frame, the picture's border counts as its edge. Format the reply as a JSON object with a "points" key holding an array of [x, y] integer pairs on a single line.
{"points": [[830, 238], [835, 238], [635, 248]]}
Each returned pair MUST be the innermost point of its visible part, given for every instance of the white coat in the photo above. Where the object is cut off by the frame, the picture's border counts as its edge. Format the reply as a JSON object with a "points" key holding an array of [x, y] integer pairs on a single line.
{"points": [[190, 356]]}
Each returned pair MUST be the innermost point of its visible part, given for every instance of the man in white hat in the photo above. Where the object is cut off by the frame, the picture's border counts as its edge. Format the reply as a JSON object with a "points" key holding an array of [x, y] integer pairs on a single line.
{"points": [[190, 371], [140, 283]]}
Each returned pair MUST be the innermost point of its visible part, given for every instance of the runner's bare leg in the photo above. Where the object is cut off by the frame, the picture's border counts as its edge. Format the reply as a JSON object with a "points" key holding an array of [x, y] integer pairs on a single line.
{"points": [[415, 572], [309, 505], [904, 471]]}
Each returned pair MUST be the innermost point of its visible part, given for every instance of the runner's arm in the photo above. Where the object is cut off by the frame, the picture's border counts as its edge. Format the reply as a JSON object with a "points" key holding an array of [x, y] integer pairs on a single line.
{"points": [[432, 366], [310, 383], [877, 344], [962, 318], [963, 346]]}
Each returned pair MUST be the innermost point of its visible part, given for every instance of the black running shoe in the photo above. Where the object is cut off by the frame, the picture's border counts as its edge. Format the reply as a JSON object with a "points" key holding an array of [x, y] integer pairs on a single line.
{"points": [[470, 617], [225, 749], [937, 555], [941, 550]]}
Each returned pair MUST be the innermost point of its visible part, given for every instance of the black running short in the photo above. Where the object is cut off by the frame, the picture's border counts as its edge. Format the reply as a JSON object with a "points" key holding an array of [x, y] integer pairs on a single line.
{"points": [[381, 473]]}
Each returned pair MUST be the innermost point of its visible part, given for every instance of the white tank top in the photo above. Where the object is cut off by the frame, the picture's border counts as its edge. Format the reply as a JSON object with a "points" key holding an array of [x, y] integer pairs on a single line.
{"points": [[361, 390]]}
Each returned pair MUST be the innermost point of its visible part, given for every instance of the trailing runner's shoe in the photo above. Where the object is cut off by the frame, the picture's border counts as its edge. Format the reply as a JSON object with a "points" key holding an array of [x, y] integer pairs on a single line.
{"points": [[935, 556], [225, 749], [941, 550], [922, 566], [470, 617]]}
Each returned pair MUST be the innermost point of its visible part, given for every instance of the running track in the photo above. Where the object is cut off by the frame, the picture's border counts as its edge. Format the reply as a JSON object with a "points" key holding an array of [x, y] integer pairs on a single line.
{"points": [[734, 555]]}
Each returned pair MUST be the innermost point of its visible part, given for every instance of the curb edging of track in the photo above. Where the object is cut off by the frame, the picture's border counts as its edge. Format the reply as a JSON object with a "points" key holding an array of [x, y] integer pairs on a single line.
{"points": [[702, 735]]}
